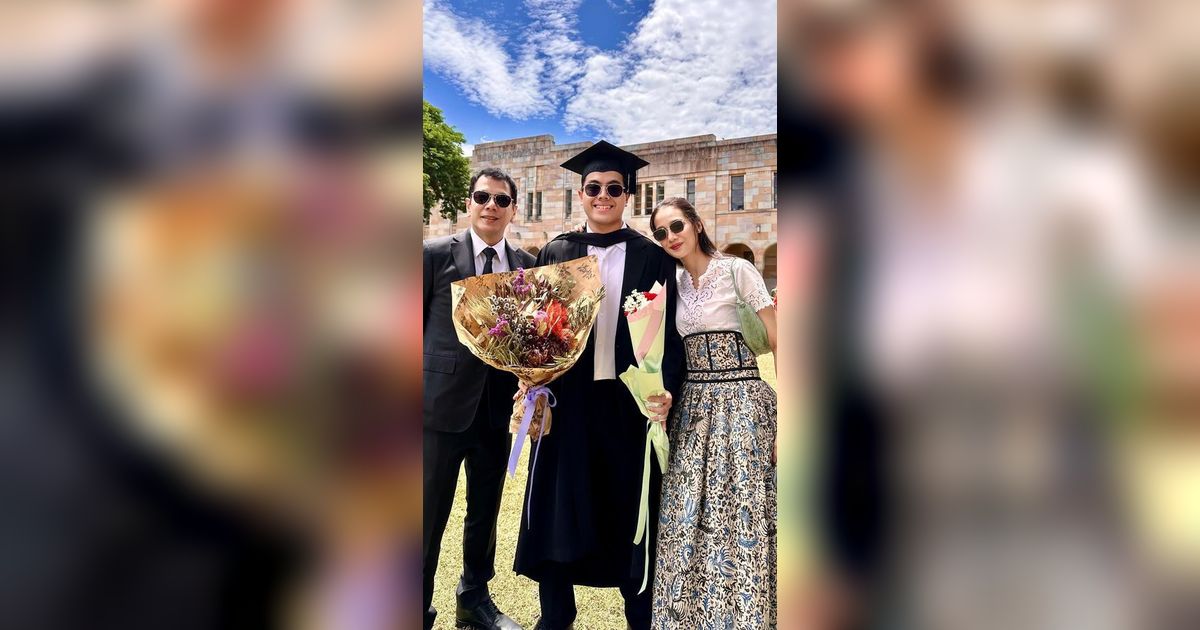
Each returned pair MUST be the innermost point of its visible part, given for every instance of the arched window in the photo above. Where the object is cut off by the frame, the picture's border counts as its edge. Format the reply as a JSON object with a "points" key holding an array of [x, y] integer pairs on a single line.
{"points": [[770, 267], [738, 249]]}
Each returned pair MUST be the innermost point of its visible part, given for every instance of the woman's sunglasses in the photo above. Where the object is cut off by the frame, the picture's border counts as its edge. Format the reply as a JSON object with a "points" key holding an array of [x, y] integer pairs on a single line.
{"points": [[593, 190], [660, 234], [481, 197]]}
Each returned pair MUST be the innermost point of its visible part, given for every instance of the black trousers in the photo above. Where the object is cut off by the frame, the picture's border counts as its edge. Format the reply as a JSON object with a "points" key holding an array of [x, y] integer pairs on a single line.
{"points": [[484, 447], [557, 598]]}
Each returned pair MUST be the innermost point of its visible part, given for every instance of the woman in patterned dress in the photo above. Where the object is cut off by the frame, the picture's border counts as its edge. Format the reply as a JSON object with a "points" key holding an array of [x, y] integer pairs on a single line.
{"points": [[716, 544]]}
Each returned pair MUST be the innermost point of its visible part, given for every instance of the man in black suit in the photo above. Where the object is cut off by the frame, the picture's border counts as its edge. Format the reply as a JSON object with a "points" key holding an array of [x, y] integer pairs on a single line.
{"points": [[467, 403], [582, 511]]}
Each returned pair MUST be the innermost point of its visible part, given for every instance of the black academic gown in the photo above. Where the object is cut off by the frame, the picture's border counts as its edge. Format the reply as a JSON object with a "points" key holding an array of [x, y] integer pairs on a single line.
{"points": [[582, 501]]}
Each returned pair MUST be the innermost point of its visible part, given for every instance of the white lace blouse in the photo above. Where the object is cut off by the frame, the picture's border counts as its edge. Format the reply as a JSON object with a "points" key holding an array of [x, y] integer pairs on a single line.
{"points": [[713, 306]]}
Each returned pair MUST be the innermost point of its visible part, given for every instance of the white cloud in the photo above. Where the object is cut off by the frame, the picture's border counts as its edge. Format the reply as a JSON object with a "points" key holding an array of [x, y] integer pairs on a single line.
{"points": [[691, 67], [467, 149], [472, 54], [620, 6]]}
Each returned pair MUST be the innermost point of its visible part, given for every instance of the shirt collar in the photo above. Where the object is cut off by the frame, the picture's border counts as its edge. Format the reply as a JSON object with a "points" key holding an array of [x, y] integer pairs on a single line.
{"points": [[479, 245]]}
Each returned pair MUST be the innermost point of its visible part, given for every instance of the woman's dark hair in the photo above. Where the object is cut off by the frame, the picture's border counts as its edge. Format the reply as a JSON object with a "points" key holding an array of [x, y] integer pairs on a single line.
{"points": [[681, 204], [494, 173]]}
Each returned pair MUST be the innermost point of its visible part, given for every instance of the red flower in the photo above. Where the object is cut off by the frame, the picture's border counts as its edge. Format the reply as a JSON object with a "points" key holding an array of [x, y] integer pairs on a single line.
{"points": [[556, 316], [650, 296]]}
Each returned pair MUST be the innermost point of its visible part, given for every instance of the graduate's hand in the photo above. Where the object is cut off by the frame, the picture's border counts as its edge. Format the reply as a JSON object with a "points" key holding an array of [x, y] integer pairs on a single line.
{"points": [[660, 407]]}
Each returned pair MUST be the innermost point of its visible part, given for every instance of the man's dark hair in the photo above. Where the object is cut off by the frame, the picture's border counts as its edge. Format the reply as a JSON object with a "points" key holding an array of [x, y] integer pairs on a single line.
{"points": [[494, 173]]}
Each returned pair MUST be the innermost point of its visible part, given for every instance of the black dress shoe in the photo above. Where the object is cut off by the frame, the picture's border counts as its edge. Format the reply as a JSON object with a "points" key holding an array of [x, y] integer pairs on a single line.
{"points": [[483, 616]]}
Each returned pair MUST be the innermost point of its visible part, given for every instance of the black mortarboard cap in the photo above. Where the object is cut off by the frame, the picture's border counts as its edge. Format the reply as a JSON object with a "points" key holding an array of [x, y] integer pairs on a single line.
{"points": [[603, 156]]}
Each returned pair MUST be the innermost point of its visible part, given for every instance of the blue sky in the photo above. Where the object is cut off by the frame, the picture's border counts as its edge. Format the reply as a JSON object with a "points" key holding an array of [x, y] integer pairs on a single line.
{"points": [[626, 70]]}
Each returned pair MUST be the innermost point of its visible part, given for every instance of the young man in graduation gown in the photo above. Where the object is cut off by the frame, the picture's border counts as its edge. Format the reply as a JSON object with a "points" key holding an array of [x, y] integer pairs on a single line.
{"points": [[466, 404], [583, 497]]}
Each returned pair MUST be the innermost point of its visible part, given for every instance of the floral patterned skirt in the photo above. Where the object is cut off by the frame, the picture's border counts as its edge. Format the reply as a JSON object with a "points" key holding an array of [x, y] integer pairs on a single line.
{"points": [[717, 549]]}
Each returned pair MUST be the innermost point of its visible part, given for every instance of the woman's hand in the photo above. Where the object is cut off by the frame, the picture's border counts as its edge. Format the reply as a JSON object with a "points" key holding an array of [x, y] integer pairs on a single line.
{"points": [[659, 406]]}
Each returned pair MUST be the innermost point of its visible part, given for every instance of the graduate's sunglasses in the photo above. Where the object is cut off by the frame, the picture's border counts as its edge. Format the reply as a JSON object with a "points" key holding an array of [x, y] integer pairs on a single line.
{"points": [[481, 197], [660, 234], [593, 190]]}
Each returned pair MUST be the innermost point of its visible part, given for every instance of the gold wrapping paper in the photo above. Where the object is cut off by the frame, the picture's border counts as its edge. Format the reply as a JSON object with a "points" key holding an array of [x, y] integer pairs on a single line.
{"points": [[471, 323]]}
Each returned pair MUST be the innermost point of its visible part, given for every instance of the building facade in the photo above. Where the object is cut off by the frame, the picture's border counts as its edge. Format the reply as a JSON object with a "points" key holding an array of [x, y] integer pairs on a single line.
{"points": [[731, 183]]}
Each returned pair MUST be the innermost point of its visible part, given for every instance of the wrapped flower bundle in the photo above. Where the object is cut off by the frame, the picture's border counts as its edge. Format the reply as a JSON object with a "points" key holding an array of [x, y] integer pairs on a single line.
{"points": [[646, 313], [533, 323]]}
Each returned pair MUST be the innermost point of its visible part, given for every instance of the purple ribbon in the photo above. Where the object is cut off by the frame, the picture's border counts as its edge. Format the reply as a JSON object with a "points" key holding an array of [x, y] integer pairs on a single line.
{"points": [[531, 397], [550, 402]]}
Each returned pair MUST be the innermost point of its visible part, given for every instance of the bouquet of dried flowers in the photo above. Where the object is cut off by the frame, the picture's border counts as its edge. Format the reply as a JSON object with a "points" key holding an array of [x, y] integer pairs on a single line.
{"points": [[533, 323]]}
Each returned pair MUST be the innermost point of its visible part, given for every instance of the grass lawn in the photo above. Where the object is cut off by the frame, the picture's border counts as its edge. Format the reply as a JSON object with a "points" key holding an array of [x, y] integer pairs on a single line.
{"points": [[599, 609]]}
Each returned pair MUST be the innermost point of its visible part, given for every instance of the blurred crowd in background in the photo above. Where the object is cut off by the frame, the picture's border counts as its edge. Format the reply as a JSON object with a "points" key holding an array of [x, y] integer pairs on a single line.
{"points": [[989, 285], [209, 360], [1006, 309]]}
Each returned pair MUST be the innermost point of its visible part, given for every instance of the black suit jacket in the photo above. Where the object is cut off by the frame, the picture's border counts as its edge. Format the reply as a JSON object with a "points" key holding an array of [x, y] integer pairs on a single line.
{"points": [[453, 377]]}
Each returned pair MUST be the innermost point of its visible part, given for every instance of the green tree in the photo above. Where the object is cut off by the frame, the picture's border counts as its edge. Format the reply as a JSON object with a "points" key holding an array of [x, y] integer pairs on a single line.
{"points": [[447, 172]]}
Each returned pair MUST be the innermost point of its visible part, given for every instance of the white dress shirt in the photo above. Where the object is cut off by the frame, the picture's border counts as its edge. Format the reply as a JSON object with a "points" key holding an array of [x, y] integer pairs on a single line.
{"points": [[499, 263], [612, 274]]}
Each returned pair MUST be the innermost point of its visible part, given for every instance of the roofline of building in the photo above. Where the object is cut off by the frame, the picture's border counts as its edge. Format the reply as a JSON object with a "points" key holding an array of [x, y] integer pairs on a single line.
{"points": [[544, 136], [683, 141], [749, 139]]}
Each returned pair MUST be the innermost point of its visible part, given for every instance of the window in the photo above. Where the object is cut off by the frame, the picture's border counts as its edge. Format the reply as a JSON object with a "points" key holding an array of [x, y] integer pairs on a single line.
{"points": [[691, 191], [528, 206], [637, 202], [774, 189], [567, 203], [647, 195], [737, 192], [538, 213]]}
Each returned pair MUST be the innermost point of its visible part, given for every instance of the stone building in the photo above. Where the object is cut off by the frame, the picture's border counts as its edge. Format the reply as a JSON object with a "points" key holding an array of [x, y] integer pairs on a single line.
{"points": [[732, 184]]}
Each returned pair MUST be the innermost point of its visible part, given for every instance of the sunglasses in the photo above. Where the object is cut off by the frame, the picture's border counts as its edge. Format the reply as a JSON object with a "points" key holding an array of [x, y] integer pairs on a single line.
{"points": [[593, 190], [660, 234], [481, 197]]}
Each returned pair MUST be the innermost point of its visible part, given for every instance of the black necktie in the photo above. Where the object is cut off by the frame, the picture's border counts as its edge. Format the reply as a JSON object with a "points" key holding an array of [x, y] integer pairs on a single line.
{"points": [[489, 254]]}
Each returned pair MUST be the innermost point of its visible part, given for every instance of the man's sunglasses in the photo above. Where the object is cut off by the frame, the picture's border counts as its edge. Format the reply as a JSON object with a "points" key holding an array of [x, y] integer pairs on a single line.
{"points": [[481, 197], [660, 234], [593, 190]]}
